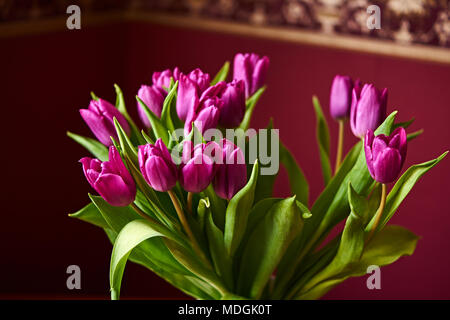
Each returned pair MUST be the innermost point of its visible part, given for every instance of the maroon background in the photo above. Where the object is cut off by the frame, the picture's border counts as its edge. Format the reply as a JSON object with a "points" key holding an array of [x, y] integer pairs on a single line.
{"points": [[45, 79]]}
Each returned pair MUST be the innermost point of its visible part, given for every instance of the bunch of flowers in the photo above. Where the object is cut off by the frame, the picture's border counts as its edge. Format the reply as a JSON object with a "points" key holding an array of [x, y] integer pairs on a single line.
{"points": [[197, 209]]}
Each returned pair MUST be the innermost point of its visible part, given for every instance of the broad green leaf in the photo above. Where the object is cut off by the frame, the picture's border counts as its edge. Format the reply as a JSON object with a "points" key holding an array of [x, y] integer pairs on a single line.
{"points": [[237, 213], [91, 214], [169, 103], [222, 74], [218, 207], [323, 140], [297, 181], [130, 236], [403, 186], [359, 205], [386, 247], [93, 146], [158, 127], [250, 106], [266, 246], [222, 261]]}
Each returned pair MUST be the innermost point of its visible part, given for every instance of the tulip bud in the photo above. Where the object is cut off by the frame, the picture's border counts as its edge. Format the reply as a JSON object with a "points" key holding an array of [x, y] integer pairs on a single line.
{"points": [[252, 70], [368, 109], [385, 155], [153, 97], [206, 117], [110, 179], [190, 88], [341, 97], [99, 117], [233, 109], [157, 166], [196, 171], [231, 174]]}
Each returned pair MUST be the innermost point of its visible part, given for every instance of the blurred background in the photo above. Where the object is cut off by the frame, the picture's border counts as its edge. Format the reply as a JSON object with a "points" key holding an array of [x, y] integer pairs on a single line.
{"points": [[47, 72]]}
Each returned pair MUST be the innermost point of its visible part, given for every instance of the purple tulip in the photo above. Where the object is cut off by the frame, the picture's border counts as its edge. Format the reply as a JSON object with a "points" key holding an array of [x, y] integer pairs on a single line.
{"points": [[231, 174], [153, 97], [385, 155], [233, 110], [157, 166], [197, 168], [368, 109], [252, 69], [190, 88], [341, 97], [206, 117], [162, 79], [110, 179], [99, 117]]}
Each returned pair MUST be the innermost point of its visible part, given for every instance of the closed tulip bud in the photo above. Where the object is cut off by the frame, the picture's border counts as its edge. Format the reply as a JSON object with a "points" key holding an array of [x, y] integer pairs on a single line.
{"points": [[341, 97], [153, 97], [368, 109], [99, 117], [231, 174], [197, 169], [157, 167], [252, 69], [190, 89], [206, 117], [233, 109], [385, 155], [110, 179]]}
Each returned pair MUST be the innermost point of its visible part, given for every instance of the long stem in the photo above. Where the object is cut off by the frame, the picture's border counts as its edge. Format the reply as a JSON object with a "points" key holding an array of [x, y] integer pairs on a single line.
{"points": [[340, 146], [185, 225], [142, 213], [190, 197], [379, 212]]}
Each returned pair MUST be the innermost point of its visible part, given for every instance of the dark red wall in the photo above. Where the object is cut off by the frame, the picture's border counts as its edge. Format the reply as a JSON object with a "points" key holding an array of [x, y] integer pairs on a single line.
{"points": [[45, 79]]}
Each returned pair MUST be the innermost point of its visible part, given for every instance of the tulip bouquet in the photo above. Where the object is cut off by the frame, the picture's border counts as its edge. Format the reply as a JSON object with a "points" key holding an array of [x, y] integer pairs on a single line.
{"points": [[197, 209]]}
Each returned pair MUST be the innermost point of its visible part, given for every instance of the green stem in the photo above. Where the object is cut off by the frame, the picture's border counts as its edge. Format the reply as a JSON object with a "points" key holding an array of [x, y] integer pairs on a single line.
{"points": [[184, 223], [190, 197], [142, 213], [379, 213], [340, 146]]}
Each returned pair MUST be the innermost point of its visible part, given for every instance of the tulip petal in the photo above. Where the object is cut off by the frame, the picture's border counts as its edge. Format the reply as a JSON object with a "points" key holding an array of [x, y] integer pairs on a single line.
{"points": [[387, 166], [114, 190]]}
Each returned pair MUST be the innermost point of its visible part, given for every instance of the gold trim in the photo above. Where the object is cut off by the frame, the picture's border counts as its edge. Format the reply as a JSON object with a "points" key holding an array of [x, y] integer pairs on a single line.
{"points": [[344, 42]]}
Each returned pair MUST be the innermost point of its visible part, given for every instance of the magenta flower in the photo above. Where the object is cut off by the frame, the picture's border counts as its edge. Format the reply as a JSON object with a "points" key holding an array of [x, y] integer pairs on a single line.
{"points": [[197, 168], [153, 97], [162, 79], [157, 166], [99, 117], [341, 97], [233, 110], [368, 109], [252, 69], [385, 155], [206, 117], [110, 179], [231, 174], [190, 88]]}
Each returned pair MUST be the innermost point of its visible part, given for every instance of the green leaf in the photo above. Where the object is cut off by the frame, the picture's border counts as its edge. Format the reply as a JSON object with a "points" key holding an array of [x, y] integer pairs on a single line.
{"points": [[126, 145], [266, 246], [90, 214], [94, 96], [93, 146], [359, 205], [237, 213], [405, 124], [132, 234], [403, 186], [222, 74], [147, 137], [222, 261], [218, 207], [158, 127], [323, 140], [297, 181], [386, 247], [169, 103], [413, 135], [250, 106]]}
